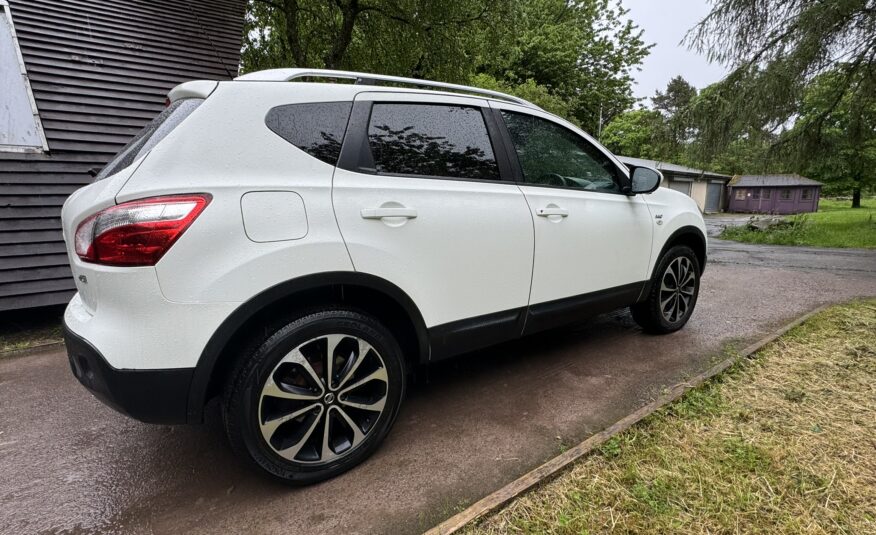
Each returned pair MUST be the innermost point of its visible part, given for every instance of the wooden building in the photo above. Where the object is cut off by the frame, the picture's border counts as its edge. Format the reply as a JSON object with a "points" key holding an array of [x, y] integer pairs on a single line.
{"points": [[78, 79], [773, 194]]}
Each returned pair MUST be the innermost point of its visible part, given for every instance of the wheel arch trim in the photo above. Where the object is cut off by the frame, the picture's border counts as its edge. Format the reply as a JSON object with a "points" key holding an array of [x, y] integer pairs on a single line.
{"points": [[223, 335], [684, 231]]}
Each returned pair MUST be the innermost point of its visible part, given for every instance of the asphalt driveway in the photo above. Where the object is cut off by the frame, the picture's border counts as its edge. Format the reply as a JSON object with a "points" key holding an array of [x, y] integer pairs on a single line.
{"points": [[69, 464]]}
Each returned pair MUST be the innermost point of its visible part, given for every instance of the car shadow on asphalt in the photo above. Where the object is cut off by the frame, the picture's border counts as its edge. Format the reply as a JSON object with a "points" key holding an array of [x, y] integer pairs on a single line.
{"points": [[535, 358]]}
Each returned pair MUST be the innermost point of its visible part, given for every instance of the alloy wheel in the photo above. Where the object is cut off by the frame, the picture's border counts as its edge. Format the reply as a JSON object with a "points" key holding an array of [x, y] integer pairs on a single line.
{"points": [[321, 401], [677, 288]]}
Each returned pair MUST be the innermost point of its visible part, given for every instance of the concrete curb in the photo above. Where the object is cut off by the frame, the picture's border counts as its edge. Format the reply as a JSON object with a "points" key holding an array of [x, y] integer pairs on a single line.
{"points": [[32, 350], [551, 468]]}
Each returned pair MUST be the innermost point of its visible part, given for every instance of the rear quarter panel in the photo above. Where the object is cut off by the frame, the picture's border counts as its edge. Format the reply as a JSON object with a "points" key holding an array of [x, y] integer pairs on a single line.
{"points": [[225, 149]]}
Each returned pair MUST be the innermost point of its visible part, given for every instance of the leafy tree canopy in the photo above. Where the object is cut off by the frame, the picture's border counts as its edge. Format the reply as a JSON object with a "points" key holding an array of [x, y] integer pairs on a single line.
{"points": [[836, 133], [573, 57], [775, 50], [636, 133], [677, 97]]}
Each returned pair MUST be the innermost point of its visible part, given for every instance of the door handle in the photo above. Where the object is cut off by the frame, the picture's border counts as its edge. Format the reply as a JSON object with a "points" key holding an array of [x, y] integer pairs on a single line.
{"points": [[552, 210], [380, 213]]}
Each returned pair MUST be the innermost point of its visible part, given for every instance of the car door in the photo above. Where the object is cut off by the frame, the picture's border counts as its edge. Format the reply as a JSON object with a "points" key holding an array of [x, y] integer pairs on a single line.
{"points": [[420, 200], [592, 241]]}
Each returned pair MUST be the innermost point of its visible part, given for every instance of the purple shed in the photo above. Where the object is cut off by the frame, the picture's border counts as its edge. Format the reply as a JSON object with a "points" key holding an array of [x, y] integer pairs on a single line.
{"points": [[773, 194]]}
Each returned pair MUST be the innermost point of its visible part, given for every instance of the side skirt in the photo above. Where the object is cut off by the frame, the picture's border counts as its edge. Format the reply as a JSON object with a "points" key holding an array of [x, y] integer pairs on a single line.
{"points": [[470, 334]]}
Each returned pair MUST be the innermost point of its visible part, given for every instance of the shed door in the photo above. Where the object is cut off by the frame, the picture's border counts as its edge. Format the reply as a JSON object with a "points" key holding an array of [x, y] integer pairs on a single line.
{"points": [[713, 197], [681, 186]]}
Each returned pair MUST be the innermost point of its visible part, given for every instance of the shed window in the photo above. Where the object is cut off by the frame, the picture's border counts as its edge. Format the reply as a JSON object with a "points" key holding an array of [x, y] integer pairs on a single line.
{"points": [[20, 128], [755, 193], [785, 194], [806, 194], [740, 195], [766, 193]]}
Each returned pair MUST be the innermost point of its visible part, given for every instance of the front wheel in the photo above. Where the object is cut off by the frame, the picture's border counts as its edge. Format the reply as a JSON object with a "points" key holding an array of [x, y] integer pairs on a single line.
{"points": [[317, 397], [673, 294]]}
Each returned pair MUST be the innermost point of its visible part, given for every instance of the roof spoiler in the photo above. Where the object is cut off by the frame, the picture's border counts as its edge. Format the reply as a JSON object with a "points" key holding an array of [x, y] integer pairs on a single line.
{"points": [[195, 89]]}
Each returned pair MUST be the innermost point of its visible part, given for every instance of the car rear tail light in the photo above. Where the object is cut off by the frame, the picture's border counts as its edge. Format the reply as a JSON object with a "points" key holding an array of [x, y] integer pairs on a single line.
{"points": [[137, 233]]}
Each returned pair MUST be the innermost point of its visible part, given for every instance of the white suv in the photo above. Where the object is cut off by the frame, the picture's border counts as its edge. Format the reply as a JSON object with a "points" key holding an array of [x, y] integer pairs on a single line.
{"points": [[296, 248]]}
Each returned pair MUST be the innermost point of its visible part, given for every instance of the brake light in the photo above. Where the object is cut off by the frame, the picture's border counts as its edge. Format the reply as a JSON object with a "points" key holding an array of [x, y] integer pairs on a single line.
{"points": [[137, 233]]}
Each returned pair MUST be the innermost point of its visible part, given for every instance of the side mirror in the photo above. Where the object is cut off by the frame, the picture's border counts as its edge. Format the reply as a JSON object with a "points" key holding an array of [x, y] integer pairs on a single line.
{"points": [[644, 180]]}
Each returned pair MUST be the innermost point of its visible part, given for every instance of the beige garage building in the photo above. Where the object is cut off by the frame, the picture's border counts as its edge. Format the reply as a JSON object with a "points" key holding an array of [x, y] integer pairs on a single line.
{"points": [[708, 189]]}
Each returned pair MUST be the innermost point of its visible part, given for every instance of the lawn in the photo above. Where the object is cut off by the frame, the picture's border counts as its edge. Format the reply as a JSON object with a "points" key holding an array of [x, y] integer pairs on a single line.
{"points": [[834, 225], [783, 442]]}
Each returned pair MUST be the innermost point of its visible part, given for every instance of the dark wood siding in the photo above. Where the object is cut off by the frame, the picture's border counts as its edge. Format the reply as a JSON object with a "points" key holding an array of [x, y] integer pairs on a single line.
{"points": [[100, 70]]}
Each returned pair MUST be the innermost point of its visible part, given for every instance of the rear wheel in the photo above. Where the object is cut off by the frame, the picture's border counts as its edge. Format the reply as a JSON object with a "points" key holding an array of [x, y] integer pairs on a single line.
{"points": [[673, 294], [317, 397]]}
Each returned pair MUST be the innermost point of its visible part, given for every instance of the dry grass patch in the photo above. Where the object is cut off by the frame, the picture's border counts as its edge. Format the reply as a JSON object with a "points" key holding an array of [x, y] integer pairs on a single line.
{"points": [[784, 442]]}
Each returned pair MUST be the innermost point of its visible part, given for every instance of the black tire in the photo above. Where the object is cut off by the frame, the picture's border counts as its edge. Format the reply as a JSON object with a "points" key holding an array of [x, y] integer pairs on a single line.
{"points": [[649, 314], [243, 399]]}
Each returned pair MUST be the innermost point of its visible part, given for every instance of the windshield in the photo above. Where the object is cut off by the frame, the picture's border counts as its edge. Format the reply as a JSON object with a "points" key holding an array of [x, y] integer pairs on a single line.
{"points": [[154, 132]]}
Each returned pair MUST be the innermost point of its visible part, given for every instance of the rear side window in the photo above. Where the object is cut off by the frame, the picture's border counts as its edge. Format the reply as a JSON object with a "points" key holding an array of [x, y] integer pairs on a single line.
{"points": [[431, 140], [316, 128], [154, 132]]}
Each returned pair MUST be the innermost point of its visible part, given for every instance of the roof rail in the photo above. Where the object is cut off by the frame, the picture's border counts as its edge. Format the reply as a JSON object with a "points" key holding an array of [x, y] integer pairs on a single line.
{"points": [[286, 75]]}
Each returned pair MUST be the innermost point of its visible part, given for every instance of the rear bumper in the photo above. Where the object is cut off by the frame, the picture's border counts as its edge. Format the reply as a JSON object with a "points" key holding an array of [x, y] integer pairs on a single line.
{"points": [[152, 396]]}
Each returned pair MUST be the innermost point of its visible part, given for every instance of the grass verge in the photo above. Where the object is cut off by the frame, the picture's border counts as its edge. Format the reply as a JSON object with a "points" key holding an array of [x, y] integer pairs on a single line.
{"points": [[834, 225], [780, 443]]}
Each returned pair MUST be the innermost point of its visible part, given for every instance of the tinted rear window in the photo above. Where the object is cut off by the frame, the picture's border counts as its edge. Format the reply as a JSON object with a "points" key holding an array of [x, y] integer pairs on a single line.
{"points": [[431, 140], [316, 128], [154, 132]]}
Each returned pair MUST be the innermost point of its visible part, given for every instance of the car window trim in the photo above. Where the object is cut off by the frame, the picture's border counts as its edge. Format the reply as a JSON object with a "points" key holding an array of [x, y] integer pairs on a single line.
{"points": [[519, 178], [356, 153]]}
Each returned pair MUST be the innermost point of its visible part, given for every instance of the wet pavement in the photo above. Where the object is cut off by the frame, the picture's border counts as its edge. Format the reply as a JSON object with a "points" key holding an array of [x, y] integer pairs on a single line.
{"points": [[716, 223], [69, 464]]}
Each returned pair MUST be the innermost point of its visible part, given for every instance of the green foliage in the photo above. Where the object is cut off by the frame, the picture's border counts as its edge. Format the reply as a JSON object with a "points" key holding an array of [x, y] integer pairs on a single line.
{"points": [[402, 37], [777, 50], [677, 97], [834, 137], [835, 224], [572, 58], [636, 134], [747, 154], [529, 90], [674, 104], [583, 52]]}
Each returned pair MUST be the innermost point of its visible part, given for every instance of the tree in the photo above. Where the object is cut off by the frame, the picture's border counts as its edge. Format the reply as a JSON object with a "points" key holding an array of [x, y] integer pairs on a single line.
{"points": [[581, 51], [574, 57], [677, 97], [529, 90], [401, 37], [776, 49], [837, 133], [663, 133], [674, 104], [635, 134]]}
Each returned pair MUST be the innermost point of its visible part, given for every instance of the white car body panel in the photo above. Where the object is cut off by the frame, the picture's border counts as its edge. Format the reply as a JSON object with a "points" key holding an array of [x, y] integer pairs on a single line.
{"points": [[214, 261], [677, 211], [604, 242], [468, 251]]}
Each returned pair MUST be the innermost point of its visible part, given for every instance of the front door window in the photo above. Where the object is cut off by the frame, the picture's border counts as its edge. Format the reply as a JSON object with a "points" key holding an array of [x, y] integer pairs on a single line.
{"points": [[551, 155]]}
